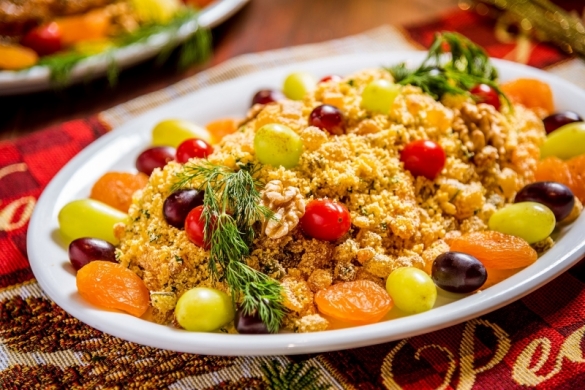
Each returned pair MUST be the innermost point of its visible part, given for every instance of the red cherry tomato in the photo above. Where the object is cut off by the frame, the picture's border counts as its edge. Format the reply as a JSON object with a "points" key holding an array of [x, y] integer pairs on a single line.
{"points": [[325, 220], [486, 94], [193, 147], [332, 77], [45, 39], [195, 227], [423, 158]]}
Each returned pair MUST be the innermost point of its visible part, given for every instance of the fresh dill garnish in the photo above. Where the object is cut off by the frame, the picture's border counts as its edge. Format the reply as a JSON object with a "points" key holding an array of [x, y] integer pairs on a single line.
{"points": [[195, 48], [230, 208], [467, 66]]}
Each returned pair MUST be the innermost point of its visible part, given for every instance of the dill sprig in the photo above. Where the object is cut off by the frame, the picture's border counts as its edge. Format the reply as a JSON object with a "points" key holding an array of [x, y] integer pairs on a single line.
{"points": [[195, 48], [230, 208], [466, 66], [292, 376]]}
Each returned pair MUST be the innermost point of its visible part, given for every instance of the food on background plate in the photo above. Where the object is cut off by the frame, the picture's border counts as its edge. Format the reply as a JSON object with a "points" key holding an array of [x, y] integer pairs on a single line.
{"points": [[59, 34], [359, 198]]}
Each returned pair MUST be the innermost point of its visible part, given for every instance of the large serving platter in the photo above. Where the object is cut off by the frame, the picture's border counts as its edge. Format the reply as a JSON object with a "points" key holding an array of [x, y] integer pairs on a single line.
{"points": [[38, 78], [118, 151]]}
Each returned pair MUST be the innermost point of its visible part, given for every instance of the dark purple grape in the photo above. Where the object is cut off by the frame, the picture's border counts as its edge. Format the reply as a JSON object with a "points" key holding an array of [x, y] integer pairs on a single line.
{"points": [[458, 272], [249, 324], [86, 249], [556, 196], [554, 121], [179, 204], [266, 96], [156, 157], [328, 118]]}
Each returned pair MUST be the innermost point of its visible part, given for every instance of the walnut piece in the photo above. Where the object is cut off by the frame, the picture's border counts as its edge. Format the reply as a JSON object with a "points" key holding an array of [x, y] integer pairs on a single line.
{"points": [[288, 206]]}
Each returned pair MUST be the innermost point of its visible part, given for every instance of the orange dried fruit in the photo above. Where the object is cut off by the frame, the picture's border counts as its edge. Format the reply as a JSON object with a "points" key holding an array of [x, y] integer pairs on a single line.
{"points": [[14, 57], [359, 302], [494, 249], [531, 93], [553, 169], [220, 128], [576, 167], [495, 276], [116, 188], [113, 286], [89, 26]]}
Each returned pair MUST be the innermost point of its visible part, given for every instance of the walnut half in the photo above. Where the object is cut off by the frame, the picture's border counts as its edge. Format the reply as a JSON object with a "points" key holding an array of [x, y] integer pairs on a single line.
{"points": [[288, 206]]}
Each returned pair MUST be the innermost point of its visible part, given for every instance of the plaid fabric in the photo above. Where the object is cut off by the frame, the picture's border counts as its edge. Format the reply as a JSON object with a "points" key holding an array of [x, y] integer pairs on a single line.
{"points": [[534, 342]]}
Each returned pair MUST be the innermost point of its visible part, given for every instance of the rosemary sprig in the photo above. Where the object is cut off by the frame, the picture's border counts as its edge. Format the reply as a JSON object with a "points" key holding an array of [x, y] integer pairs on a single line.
{"points": [[231, 206], [195, 48], [467, 66]]}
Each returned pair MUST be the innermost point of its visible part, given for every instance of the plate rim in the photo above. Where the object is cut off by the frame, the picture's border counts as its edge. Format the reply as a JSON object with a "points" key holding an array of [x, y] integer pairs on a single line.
{"points": [[462, 310]]}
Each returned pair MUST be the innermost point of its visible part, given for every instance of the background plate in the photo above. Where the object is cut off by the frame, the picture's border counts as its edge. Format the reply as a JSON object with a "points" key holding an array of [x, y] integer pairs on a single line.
{"points": [[38, 78], [118, 151]]}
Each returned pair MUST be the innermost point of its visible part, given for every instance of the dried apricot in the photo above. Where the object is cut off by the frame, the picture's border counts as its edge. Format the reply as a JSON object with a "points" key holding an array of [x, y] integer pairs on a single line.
{"points": [[359, 302], [116, 188], [553, 169], [576, 167], [531, 93], [14, 57], [113, 286], [497, 275], [89, 26], [494, 249], [220, 128]]}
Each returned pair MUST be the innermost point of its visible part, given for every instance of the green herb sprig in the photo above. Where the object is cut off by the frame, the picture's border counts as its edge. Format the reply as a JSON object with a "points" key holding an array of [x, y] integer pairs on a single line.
{"points": [[231, 207], [466, 66], [195, 48]]}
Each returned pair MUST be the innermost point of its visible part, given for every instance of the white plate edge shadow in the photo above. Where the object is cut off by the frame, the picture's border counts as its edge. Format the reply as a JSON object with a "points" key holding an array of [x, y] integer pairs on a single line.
{"points": [[59, 284], [38, 78]]}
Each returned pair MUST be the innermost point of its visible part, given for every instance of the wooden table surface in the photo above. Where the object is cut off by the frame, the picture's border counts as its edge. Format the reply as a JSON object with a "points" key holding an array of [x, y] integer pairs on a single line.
{"points": [[261, 25]]}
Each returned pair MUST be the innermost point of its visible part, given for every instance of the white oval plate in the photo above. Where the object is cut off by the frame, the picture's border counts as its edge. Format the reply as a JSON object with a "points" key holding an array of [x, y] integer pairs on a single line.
{"points": [[38, 78], [118, 151]]}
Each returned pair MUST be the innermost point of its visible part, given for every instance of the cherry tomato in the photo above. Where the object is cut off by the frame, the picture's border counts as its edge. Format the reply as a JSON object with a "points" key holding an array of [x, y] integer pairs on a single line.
{"points": [[325, 220], [193, 147], [45, 39], [423, 158], [332, 77], [195, 227], [486, 94]]}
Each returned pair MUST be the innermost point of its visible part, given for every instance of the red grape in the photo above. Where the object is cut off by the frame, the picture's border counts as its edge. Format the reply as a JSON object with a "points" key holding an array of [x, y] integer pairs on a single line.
{"points": [[556, 196], [156, 157], [554, 121], [85, 250], [266, 96], [325, 220], [178, 205], [45, 39], [193, 147], [458, 272], [331, 77], [423, 158], [486, 94], [195, 227], [329, 118]]}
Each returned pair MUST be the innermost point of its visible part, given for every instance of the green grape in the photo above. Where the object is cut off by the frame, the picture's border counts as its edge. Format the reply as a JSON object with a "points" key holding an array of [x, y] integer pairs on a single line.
{"points": [[172, 132], [566, 142], [379, 95], [411, 289], [278, 145], [203, 309], [296, 85], [528, 220], [89, 218]]}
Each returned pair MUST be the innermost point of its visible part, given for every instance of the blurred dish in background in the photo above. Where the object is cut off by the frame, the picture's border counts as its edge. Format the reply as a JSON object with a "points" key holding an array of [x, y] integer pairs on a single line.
{"points": [[46, 42]]}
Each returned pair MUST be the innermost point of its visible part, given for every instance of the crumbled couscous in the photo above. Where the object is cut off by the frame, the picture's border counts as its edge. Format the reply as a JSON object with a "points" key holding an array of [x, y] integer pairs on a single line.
{"points": [[397, 219]]}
